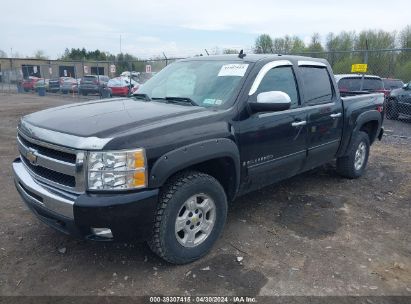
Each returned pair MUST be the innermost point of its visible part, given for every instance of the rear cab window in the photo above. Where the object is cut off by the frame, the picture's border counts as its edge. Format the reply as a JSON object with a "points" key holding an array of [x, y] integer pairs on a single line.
{"points": [[317, 85], [352, 84]]}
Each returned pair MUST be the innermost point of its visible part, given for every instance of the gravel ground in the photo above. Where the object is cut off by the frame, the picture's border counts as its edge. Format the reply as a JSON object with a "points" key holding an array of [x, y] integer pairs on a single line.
{"points": [[314, 234]]}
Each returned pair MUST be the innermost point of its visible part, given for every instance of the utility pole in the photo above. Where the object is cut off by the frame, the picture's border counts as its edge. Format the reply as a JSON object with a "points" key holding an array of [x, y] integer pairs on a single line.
{"points": [[366, 62], [120, 44]]}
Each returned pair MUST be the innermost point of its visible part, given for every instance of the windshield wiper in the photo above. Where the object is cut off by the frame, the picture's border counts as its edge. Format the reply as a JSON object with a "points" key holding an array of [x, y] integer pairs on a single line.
{"points": [[144, 97], [173, 99]]}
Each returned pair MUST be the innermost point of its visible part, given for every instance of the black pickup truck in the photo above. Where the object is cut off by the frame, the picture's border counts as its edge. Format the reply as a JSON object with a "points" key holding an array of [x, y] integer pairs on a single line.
{"points": [[161, 166]]}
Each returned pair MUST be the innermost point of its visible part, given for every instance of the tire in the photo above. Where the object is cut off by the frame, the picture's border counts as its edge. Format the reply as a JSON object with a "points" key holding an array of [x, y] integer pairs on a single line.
{"points": [[167, 241], [392, 111], [350, 165]]}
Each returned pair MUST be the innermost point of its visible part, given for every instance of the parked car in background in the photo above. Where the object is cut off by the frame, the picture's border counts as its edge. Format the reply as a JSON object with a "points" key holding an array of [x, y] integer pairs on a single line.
{"points": [[28, 84], [93, 84], [350, 84], [130, 74], [391, 84], [399, 102], [55, 83], [122, 86], [69, 85], [41, 83]]}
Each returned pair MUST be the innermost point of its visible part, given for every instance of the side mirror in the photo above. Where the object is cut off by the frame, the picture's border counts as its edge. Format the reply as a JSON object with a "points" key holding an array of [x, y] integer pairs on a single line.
{"points": [[272, 101], [406, 86]]}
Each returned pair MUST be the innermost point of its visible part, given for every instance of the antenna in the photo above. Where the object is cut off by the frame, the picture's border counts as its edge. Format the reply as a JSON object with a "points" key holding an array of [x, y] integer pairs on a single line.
{"points": [[241, 54]]}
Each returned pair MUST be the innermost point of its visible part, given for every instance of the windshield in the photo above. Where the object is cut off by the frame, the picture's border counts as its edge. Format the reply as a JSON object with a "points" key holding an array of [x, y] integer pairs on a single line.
{"points": [[390, 84], [354, 84], [206, 83]]}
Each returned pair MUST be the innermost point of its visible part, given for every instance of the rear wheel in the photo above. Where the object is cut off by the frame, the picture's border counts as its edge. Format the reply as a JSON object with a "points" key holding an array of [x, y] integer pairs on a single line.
{"points": [[190, 217], [353, 164]]}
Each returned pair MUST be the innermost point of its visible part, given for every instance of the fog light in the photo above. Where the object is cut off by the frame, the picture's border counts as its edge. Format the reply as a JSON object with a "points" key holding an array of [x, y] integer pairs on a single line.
{"points": [[102, 232]]}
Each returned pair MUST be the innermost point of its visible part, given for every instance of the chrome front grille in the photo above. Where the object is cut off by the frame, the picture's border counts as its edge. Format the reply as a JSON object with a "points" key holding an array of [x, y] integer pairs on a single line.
{"points": [[55, 165]]}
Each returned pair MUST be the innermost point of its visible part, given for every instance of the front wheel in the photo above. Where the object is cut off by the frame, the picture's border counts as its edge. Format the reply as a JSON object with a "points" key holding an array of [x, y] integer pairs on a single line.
{"points": [[190, 217], [354, 163]]}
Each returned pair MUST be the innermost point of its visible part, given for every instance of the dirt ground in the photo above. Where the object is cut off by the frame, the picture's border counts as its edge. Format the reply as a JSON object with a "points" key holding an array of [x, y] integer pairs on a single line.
{"points": [[314, 234]]}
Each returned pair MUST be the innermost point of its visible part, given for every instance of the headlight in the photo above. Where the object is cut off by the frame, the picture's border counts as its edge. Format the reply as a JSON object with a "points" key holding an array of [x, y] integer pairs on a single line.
{"points": [[117, 170]]}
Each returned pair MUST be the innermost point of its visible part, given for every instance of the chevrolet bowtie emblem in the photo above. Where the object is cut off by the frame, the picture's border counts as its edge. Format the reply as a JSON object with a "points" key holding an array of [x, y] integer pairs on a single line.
{"points": [[31, 155]]}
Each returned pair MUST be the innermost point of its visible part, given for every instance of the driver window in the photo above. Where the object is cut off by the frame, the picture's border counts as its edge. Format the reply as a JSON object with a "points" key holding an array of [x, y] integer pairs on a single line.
{"points": [[280, 79]]}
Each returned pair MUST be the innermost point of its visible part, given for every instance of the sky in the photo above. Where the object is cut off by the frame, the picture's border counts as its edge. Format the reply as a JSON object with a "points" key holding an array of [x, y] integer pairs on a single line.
{"points": [[181, 28]]}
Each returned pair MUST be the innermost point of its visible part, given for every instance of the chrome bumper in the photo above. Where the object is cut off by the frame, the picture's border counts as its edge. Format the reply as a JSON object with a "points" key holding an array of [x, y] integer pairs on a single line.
{"points": [[39, 195]]}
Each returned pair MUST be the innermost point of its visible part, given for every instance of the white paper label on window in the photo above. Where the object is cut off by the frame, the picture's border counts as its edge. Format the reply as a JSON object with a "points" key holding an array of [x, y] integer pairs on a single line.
{"points": [[236, 69]]}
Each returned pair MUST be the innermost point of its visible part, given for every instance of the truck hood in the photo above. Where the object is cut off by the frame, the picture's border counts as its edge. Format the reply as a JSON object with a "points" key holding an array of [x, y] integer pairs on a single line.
{"points": [[105, 118]]}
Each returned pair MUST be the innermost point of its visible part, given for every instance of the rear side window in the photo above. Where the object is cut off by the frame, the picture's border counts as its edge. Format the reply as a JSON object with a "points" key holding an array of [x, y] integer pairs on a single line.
{"points": [[280, 79], [317, 85]]}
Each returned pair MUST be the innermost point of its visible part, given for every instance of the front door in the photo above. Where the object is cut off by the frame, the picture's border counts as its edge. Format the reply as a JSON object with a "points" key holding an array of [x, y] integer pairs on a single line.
{"points": [[273, 144]]}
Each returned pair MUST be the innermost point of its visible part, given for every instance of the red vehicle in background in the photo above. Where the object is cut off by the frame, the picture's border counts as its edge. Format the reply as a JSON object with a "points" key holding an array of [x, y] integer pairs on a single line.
{"points": [[29, 83], [354, 84], [120, 86]]}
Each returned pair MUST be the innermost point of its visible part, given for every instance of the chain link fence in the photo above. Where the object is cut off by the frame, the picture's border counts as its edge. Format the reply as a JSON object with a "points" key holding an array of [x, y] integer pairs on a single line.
{"points": [[393, 66], [65, 77]]}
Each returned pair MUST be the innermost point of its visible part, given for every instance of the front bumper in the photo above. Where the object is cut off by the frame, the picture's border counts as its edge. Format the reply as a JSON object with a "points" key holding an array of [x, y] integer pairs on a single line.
{"points": [[129, 215]]}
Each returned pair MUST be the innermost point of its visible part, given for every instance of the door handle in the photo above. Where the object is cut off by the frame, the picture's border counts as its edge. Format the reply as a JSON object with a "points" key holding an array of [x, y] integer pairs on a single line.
{"points": [[336, 115], [299, 123]]}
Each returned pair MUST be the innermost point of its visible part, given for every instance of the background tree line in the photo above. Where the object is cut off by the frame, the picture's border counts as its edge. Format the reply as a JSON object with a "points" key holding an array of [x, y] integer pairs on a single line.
{"points": [[123, 61], [346, 48]]}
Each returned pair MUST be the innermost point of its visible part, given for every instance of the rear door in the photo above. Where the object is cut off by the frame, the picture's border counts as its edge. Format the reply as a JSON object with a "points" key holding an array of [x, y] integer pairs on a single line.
{"points": [[324, 113]]}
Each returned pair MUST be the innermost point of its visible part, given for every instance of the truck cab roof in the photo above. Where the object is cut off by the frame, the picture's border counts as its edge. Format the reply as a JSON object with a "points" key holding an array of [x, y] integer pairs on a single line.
{"points": [[253, 58], [341, 76]]}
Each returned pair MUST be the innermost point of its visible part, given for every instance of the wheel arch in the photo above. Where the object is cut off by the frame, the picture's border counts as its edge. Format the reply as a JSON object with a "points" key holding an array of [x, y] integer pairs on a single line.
{"points": [[219, 158], [369, 122]]}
